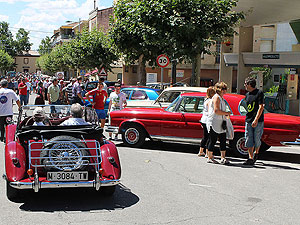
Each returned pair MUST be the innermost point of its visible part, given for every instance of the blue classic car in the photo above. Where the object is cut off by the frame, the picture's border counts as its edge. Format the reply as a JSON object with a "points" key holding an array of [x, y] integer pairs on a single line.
{"points": [[137, 96]]}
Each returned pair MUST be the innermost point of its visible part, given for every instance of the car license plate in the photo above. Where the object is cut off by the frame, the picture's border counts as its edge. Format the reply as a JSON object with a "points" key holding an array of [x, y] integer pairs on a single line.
{"points": [[67, 176]]}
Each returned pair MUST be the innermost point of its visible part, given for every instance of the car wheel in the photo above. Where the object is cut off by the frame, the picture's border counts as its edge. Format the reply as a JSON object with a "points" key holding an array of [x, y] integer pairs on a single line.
{"points": [[108, 191], [134, 136], [14, 194], [68, 149], [238, 145]]}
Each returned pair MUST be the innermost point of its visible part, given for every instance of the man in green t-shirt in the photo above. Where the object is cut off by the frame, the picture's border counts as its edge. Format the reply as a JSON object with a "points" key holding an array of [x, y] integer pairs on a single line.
{"points": [[54, 94]]}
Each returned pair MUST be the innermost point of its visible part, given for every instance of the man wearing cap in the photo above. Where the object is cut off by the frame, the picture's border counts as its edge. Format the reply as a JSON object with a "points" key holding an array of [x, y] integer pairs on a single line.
{"points": [[7, 96]]}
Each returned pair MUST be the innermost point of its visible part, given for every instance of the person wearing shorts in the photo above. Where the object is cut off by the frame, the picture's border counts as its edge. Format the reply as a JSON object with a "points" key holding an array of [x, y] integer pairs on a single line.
{"points": [[254, 124], [99, 97]]}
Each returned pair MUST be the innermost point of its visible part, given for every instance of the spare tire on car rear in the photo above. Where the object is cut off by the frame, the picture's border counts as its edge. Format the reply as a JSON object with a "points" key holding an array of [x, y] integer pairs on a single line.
{"points": [[64, 153]]}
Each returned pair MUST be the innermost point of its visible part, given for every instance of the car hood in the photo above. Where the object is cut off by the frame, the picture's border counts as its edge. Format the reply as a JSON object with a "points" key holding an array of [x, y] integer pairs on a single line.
{"points": [[282, 119]]}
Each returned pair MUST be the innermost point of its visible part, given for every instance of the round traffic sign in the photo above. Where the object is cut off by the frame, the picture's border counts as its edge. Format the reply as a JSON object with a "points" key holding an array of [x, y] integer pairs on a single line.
{"points": [[162, 60]]}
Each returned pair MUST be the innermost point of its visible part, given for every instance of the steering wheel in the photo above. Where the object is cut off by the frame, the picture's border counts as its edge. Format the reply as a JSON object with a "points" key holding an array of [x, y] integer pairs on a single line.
{"points": [[29, 122]]}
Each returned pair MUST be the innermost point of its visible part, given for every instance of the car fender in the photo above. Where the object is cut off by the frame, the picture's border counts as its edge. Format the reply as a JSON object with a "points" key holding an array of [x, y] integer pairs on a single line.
{"points": [[15, 172], [10, 132], [123, 123], [112, 167]]}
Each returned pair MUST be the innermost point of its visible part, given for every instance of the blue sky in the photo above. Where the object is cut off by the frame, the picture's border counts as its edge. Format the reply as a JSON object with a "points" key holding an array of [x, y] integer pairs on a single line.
{"points": [[41, 17]]}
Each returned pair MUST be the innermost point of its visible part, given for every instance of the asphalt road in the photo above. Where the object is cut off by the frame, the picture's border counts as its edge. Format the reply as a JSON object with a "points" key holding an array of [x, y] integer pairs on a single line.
{"points": [[166, 183]]}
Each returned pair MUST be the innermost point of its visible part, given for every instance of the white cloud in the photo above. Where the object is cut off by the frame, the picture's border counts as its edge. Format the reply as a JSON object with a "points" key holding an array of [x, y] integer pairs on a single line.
{"points": [[48, 15], [4, 18]]}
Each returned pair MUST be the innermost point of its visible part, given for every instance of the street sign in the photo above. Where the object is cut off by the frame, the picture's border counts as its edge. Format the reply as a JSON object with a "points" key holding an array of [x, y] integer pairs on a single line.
{"points": [[102, 72], [163, 61]]}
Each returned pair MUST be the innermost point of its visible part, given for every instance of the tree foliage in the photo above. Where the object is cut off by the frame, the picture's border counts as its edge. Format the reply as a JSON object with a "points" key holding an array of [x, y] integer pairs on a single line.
{"points": [[6, 61], [9, 44], [22, 41], [45, 47], [87, 51], [182, 29]]}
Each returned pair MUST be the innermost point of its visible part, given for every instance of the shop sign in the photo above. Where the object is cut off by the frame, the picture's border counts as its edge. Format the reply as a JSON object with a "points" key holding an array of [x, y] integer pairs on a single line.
{"points": [[271, 56]]}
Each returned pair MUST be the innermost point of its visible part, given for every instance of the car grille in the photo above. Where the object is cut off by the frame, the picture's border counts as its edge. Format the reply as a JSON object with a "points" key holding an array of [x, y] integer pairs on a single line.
{"points": [[65, 155]]}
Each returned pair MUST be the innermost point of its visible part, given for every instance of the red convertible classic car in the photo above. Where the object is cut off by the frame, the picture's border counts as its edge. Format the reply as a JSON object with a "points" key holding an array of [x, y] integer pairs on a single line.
{"points": [[179, 122], [54, 156]]}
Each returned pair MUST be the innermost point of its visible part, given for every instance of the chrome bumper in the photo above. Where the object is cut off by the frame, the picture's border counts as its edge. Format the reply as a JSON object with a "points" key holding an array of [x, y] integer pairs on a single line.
{"points": [[111, 129], [41, 185]]}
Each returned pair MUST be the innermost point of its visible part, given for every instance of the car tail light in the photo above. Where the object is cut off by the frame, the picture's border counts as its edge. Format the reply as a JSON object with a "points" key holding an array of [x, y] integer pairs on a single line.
{"points": [[15, 161], [30, 172], [101, 171]]}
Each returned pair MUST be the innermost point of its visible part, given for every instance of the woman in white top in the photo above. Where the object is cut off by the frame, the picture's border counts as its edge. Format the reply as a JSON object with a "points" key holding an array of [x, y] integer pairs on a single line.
{"points": [[216, 116], [209, 94]]}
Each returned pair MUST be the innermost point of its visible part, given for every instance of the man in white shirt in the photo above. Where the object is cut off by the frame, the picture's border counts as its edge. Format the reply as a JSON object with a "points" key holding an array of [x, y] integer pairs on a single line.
{"points": [[76, 113], [7, 97]]}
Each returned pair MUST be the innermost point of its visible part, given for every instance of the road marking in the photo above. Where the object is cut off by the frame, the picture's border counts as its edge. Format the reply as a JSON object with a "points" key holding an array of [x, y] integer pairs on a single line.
{"points": [[200, 185]]}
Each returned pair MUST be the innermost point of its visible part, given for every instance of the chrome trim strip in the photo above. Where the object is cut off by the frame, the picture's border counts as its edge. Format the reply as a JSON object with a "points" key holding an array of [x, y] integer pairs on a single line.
{"points": [[289, 143], [176, 139], [30, 185], [111, 129]]}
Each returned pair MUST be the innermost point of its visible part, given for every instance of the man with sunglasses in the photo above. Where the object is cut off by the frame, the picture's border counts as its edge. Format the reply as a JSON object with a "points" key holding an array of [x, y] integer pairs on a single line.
{"points": [[254, 124]]}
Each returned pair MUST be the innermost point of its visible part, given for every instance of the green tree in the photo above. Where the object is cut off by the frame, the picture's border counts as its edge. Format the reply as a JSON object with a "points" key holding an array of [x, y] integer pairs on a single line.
{"points": [[182, 29], [6, 61], [45, 47], [22, 41], [86, 51], [7, 42], [89, 50]]}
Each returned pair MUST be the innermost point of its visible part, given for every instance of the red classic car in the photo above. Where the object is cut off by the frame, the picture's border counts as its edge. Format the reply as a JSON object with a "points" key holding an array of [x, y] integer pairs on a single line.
{"points": [[179, 122], [54, 156]]}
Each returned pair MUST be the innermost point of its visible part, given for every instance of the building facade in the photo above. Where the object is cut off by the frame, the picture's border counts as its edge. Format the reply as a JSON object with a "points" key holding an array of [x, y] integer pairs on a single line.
{"points": [[26, 63]]}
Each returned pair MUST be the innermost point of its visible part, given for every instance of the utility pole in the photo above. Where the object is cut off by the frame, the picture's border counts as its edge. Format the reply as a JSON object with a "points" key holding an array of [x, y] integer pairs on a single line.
{"points": [[94, 4], [79, 25]]}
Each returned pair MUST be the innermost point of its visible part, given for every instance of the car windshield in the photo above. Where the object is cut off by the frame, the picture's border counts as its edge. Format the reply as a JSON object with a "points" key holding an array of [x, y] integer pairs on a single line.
{"points": [[172, 106], [243, 108], [57, 112], [91, 85], [168, 96]]}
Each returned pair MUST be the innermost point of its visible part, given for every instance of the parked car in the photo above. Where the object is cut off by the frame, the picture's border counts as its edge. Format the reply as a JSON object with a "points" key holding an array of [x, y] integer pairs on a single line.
{"points": [[136, 96], [179, 122], [170, 94], [53, 156], [94, 84]]}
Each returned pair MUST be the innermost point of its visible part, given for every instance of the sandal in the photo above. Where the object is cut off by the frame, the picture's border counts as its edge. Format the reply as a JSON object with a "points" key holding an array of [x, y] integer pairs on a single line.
{"points": [[201, 154]]}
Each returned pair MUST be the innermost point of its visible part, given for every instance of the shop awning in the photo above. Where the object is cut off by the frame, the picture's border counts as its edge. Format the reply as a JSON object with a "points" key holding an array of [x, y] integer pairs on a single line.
{"points": [[271, 59]]}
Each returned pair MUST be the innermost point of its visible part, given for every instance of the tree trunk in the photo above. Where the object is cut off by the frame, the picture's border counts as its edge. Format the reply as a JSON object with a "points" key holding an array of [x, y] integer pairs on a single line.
{"points": [[141, 71], [198, 70]]}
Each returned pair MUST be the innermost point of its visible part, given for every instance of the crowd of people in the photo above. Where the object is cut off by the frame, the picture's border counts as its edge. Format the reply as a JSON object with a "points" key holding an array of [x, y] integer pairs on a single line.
{"points": [[56, 92], [214, 118], [215, 125]]}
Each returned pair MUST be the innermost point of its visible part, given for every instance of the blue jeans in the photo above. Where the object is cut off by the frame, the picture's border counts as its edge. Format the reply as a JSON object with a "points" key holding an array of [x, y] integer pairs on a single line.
{"points": [[23, 99], [253, 135], [52, 108]]}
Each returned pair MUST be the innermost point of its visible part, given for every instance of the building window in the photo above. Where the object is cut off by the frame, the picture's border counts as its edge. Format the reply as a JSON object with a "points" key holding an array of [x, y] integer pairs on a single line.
{"points": [[126, 69], [26, 60]]}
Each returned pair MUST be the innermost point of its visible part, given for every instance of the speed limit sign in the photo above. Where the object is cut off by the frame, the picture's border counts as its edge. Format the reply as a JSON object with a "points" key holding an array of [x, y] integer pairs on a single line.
{"points": [[162, 61]]}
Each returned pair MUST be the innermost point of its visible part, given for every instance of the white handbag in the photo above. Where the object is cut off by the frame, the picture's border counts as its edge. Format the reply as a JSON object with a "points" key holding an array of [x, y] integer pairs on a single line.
{"points": [[229, 130]]}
